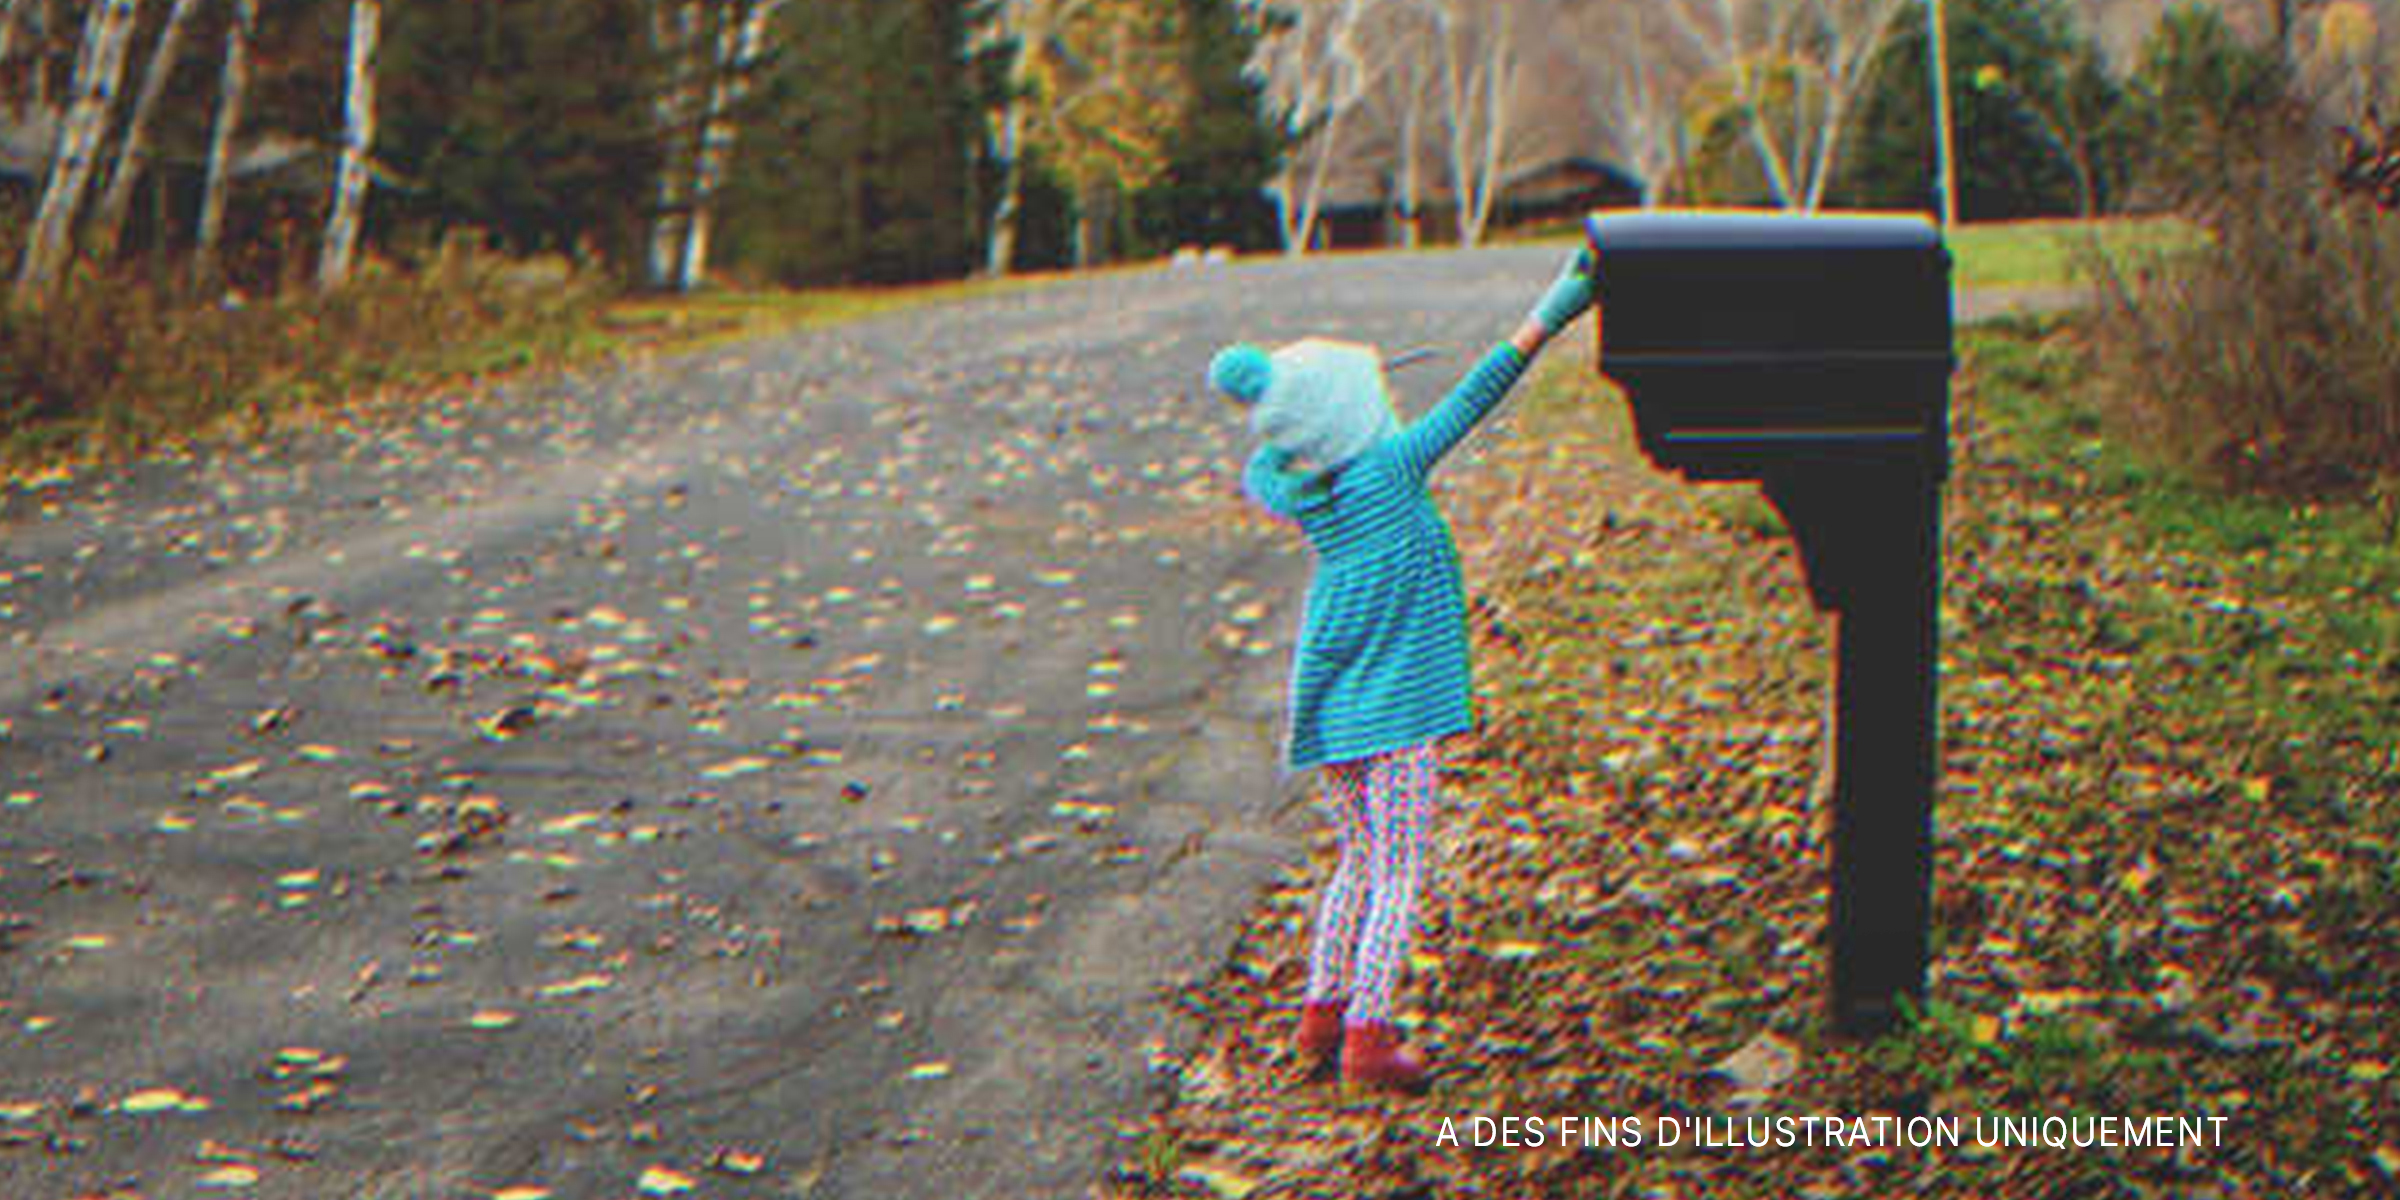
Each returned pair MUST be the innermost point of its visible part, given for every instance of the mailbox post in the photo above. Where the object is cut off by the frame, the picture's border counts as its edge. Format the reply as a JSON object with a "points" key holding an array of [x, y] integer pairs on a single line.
{"points": [[1813, 354]]}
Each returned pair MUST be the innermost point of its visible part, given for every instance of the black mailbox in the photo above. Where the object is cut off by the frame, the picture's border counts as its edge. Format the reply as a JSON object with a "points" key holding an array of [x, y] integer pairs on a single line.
{"points": [[1813, 354]]}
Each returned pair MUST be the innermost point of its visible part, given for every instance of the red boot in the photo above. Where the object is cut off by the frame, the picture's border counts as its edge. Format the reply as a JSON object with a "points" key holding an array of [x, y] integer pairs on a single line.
{"points": [[1373, 1056], [1321, 1028]]}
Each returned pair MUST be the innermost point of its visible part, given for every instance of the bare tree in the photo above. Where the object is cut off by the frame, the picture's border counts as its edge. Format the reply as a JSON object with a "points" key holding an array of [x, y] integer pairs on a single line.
{"points": [[1402, 105], [712, 49], [1315, 73], [1480, 79], [741, 39], [107, 29], [358, 140], [1792, 70], [1636, 79], [675, 36], [109, 222], [232, 88], [1000, 246]]}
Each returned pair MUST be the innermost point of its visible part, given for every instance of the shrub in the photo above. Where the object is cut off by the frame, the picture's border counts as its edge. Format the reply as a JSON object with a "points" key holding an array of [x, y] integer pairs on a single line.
{"points": [[123, 362], [2267, 357]]}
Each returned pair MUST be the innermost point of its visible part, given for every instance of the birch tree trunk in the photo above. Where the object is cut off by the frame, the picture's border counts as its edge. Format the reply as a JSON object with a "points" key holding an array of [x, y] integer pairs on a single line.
{"points": [[1017, 22], [1732, 45], [1398, 40], [738, 48], [109, 222], [8, 27], [1638, 95], [1852, 33], [675, 32], [1002, 249], [358, 138], [1300, 236], [1479, 84], [1499, 96], [1828, 50], [1028, 24], [98, 67], [1313, 75], [691, 255], [45, 20], [232, 86]]}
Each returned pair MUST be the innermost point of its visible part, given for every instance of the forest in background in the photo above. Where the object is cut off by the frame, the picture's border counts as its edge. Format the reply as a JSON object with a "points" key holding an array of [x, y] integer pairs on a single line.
{"points": [[821, 141], [206, 203]]}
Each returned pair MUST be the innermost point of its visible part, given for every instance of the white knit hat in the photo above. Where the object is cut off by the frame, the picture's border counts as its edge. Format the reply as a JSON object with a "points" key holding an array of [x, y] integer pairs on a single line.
{"points": [[1325, 401]]}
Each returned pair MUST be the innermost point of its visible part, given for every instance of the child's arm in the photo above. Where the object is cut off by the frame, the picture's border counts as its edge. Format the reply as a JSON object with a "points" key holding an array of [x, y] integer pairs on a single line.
{"points": [[1422, 444]]}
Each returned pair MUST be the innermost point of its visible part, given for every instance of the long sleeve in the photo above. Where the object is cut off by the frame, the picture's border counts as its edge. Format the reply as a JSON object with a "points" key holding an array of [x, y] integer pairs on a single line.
{"points": [[1421, 446]]}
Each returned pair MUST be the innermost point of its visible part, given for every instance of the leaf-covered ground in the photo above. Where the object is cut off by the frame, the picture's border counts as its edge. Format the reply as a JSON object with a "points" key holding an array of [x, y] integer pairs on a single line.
{"points": [[2166, 871]]}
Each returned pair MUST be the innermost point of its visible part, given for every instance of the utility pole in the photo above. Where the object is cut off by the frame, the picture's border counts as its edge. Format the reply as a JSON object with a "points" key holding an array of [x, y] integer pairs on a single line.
{"points": [[1945, 162]]}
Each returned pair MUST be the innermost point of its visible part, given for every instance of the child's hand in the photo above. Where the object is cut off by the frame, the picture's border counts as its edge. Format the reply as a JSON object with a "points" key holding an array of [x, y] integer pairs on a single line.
{"points": [[1569, 294]]}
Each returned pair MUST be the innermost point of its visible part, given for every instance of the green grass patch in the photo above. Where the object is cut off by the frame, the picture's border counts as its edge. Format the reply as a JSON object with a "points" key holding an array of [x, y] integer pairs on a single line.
{"points": [[2041, 254], [2001, 254], [2278, 613]]}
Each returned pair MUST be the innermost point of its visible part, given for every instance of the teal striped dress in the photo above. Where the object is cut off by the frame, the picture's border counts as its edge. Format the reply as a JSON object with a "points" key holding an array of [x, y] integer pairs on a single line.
{"points": [[1382, 659]]}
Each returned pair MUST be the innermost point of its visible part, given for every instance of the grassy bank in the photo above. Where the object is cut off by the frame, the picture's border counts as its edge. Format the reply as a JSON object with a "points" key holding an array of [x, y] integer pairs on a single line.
{"points": [[119, 367], [2167, 872]]}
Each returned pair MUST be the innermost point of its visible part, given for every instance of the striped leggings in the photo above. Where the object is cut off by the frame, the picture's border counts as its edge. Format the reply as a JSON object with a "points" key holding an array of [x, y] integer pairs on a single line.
{"points": [[1381, 807]]}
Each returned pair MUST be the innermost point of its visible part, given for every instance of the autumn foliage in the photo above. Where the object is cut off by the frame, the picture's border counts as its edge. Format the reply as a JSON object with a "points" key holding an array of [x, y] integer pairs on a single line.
{"points": [[2166, 879], [117, 362]]}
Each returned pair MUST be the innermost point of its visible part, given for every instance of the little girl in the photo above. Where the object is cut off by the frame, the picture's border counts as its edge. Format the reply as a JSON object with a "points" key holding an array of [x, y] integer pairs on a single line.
{"points": [[1381, 669]]}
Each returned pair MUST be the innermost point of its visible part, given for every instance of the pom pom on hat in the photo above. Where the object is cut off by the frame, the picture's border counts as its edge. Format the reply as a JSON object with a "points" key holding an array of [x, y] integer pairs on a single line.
{"points": [[1241, 371]]}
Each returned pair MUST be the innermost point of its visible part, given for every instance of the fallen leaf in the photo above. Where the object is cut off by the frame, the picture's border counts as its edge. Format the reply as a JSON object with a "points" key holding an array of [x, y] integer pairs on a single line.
{"points": [[1765, 1063], [1219, 1181], [152, 1101], [659, 1181], [508, 722], [307, 1099], [748, 764], [580, 985], [229, 1177], [737, 1162]]}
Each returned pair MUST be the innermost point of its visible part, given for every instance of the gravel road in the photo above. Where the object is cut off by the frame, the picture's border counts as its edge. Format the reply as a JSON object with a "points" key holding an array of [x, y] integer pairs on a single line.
{"points": [[806, 768]]}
